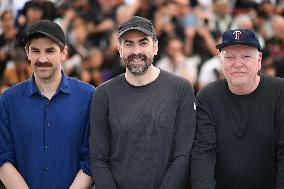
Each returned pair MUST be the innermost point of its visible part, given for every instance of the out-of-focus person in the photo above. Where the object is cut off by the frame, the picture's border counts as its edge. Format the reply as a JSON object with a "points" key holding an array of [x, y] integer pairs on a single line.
{"points": [[19, 71], [273, 54], [7, 39], [176, 62]]}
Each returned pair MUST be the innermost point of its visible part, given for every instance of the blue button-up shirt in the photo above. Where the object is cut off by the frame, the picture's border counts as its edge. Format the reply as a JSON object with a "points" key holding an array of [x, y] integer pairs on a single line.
{"points": [[46, 140]]}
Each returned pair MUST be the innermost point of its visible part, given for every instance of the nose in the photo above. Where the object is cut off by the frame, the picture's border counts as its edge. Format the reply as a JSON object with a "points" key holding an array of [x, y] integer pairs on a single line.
{"points": [[136, 49], [42, 58], [239, 62]]}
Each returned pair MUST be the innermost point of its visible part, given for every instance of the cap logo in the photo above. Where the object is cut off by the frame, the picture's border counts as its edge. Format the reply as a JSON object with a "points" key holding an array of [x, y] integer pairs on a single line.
{"points": [[237, 34]]}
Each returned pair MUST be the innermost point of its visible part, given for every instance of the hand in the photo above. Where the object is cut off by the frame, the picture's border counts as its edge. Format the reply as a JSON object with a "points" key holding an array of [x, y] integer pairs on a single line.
{"points": [[203, 31], [190, 32], [69, 14], [22, 20], [3, 55]]}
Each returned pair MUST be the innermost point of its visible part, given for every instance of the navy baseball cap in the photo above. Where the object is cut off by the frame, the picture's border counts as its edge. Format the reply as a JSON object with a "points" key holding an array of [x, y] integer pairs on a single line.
{"points": [[239, 36], [137, 23], [47, 28]]}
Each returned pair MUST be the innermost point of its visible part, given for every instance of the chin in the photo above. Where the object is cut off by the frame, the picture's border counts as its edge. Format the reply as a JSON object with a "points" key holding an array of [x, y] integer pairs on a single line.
{"points": [[239, 82], [44, 75]]}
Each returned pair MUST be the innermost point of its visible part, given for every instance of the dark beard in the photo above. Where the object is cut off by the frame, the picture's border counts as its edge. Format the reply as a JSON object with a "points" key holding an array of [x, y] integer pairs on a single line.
{"points": [[138, 69]]}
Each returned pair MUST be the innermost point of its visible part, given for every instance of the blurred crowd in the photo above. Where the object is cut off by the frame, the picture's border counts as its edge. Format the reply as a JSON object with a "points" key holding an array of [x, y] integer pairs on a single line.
{"points": [[187, 30]]}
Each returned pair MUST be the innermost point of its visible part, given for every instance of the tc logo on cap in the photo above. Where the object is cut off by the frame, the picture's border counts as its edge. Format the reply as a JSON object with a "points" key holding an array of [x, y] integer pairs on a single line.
{"points": [[237, 34]]}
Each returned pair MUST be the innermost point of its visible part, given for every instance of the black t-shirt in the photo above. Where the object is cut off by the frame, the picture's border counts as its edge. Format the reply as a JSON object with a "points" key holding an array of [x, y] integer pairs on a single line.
{"points": [[239, 138]]}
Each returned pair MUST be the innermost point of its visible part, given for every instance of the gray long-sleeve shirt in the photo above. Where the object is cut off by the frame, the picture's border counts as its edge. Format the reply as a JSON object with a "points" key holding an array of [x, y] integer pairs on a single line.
{"points": [[141, 137]]}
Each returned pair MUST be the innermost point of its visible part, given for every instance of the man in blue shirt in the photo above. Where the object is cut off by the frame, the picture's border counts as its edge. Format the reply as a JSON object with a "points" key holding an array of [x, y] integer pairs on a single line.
{"points": [[44, 121]]}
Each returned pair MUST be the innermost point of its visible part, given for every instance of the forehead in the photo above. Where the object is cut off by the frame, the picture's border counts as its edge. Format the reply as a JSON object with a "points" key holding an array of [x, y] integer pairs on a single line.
{"points": [[43, 42], [239, 48], [6, 15], [134, 35]]}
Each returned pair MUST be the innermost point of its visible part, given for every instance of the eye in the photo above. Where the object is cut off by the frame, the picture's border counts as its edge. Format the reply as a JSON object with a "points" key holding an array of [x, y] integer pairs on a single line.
{"points": [[34, 51], [229, 57], [50, 51], [246, 56], [144, 43], [127, 44]]}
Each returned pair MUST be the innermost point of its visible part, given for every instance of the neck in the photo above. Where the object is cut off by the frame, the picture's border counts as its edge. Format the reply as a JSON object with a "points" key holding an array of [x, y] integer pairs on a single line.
{"points": [[149, 76], [245, 89], [48, 87]]}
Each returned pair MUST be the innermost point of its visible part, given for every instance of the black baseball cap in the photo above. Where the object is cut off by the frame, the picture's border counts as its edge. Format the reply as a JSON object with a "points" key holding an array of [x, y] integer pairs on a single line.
{"points": [[137, 23], [239, 36], [47, 28]]}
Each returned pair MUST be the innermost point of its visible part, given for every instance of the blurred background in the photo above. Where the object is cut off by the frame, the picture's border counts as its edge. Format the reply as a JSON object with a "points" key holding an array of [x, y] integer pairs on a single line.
{"points": [[187, 30]]}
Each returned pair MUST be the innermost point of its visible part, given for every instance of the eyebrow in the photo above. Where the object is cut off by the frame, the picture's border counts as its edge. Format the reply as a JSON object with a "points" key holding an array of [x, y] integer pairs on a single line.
{"points": [[140, 40], [50, 48], [33, 48]]}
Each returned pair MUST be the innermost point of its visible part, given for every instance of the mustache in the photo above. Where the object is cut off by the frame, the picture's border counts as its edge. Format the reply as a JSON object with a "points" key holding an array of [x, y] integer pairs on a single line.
{"points": [[43, 64], [140, 56]]}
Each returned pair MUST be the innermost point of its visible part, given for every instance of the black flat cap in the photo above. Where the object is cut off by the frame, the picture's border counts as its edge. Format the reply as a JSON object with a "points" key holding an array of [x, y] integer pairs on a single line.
{"points": [[137, 23], [47, 28]]}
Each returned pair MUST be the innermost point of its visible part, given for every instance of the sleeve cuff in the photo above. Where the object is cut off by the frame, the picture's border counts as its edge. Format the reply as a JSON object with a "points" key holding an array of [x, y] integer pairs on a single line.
{"points": [[86, 168], [7, 157]]}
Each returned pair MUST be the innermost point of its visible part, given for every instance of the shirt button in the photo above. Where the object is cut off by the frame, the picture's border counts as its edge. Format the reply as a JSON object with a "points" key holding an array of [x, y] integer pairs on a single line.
{"points": [[48, 125], [45, 169], [46, 146]]}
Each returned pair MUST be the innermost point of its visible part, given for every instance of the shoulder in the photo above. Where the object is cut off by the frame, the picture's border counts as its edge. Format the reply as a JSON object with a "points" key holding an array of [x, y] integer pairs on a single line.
{"points": [[109, 89], [80, 86], [215, 85], [112, 83], [15, 91], [274, 80], [213, 88], [174, 82], [272, 84], [273, 88]]}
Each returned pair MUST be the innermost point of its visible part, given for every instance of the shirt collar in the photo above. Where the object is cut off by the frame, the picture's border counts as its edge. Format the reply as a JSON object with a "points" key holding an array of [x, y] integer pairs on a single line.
{"points": [[64, 85]]}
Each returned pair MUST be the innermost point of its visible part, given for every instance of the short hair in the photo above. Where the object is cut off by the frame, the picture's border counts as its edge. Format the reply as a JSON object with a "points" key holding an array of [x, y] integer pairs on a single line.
{"points": [[153, 37], [4, 13]]}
